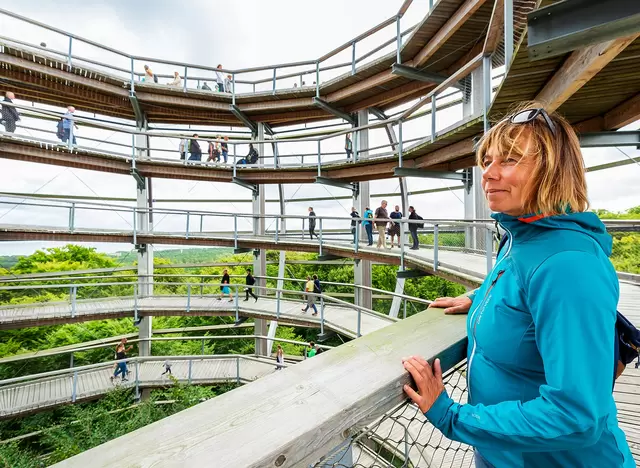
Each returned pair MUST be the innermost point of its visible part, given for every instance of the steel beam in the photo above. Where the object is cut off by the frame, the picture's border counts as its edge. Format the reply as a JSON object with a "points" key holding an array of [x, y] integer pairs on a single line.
{"points": [[410, 172], [601, 139], [572, 24], [332, 110], [245, 184], [418, 75], [137, 110], [404, 274], [336, 183], [235, 110]]}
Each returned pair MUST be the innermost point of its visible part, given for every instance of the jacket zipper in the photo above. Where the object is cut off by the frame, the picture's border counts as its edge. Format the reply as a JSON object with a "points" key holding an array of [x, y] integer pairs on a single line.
{"points": [[479, 309]]}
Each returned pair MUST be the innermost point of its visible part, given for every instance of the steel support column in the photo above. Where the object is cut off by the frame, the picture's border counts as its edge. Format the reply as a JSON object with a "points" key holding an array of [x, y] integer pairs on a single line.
{"points": [[259, 258], [362, 200], [144, 223], [273, 325]]}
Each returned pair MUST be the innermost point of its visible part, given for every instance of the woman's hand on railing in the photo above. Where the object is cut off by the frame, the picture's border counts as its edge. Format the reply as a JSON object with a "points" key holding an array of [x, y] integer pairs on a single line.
{"points": [[452, 305], [428, 381]]}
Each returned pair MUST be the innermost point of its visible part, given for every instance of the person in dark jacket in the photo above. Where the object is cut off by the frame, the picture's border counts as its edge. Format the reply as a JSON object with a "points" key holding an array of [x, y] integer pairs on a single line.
{"points": [[194, 149], [9, 115], [354, 222], [225, 290], [413, 228], [312, 223], [250, 281]]}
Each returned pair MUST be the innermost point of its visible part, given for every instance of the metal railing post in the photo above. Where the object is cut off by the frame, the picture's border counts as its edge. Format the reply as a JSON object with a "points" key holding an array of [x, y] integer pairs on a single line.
{"points": [[201, 221], [202, 347], [233, 89], [133, 77], [318, 79], [508, 33], [430, 6], [72, 216], [74, 292], [400, 146], [356, 137], [274, 81], [190, 370], [435, 247], [486, 93], [187, 231], [238, 370], [353, 58], [489, 247], [137, 366], [278, 296], [433, 118], [135, 302], [188, 297], [320, 239], [399, 40], [235, 231], [237, 303], [69, 55], [71, 361], [402, 227], [184, 83], [277, 229], [358, 334], [202, 287], [356, 239], [74, 387], [321, 315], [135, 235], [319, 158]]}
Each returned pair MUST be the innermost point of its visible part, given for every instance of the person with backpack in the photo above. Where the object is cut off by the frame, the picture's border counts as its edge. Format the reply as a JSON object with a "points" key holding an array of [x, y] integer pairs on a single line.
{"points": [[68, 126], [413, 228], [368, 225], [250, 281], [348, 145], [194, 149], [312, 223], [9, 115], [225, 290], [543, 331], [309, 288], [121, 354], [354, 223]]}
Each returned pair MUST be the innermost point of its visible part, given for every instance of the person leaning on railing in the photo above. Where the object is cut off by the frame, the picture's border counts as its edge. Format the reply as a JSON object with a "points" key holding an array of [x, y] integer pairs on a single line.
{"points": [[541, 327]]}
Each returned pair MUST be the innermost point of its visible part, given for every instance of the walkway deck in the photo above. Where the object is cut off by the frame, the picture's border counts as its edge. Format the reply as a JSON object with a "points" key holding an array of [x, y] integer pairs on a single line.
{"points": [[439, 44], [342, 320], [45, 393], [452, 149]]}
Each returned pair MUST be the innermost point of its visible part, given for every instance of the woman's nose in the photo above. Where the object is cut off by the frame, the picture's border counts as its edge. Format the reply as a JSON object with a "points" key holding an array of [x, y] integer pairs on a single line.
{"points": [[492, 171]]}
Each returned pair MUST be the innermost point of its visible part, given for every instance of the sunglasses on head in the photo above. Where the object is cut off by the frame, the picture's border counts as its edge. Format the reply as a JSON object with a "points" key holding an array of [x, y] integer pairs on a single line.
{"points": [[529, 115]]}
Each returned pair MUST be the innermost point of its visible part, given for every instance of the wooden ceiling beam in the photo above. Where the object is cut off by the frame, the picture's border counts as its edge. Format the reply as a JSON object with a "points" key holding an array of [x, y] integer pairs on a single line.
{"points": [[391, 96], [578, 69], [452, 25], [447, 154], [496, 28]]}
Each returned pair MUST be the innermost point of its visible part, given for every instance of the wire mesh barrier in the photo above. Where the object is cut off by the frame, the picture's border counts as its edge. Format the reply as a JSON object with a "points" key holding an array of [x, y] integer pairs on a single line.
{"points": [[404, 438]]}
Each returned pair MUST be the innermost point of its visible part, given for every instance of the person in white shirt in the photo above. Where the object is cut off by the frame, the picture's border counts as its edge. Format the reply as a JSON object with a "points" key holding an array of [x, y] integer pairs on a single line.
{"points": [[220, 78]]}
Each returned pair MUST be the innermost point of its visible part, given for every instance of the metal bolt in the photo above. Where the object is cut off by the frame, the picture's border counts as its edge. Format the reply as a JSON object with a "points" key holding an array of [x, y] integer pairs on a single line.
{"points": [[280, 460]]}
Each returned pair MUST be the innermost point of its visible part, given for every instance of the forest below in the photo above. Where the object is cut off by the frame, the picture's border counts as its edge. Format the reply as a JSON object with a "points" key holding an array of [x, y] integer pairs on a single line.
{"points": [[68, 430]]}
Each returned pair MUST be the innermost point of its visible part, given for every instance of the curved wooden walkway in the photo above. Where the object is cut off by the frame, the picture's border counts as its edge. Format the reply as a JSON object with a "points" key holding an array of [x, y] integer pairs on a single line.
{"points": [[42, 393], [340, 319], [441, 43]]}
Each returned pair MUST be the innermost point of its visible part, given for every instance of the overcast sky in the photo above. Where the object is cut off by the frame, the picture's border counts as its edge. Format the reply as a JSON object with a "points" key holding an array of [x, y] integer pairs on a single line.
{"points": [[240, 33]]}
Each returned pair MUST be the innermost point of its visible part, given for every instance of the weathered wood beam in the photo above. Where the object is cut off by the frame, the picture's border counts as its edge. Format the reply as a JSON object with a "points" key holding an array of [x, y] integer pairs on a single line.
{"points": [[450, 27], [578, 69], [371, 379], [180, 101], [299, 103], [58, 74], [391, 96], [447, 154], [496, 28], [622, 115]]}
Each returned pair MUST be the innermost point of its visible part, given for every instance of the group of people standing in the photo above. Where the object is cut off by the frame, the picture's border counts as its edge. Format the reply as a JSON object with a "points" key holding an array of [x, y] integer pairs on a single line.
{"points": [[218, 151], [223, 83], [384, 222]]}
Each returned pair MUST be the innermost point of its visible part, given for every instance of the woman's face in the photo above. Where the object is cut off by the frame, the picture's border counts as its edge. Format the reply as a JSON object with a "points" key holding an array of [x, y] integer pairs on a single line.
{"points": [[504, 179]]}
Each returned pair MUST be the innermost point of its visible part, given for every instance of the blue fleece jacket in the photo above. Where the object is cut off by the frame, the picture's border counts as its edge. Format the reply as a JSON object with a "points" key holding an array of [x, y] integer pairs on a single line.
{"points": [[541, 351]]}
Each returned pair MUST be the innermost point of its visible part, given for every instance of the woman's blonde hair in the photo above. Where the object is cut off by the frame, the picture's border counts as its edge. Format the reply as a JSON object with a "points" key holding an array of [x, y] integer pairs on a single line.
{"points": [[557, 184]]}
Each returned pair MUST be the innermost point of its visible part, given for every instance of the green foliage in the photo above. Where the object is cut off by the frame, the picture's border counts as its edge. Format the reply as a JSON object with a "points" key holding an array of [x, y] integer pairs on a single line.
{"points": [[625, 255], [70, 430], [179, 256]]}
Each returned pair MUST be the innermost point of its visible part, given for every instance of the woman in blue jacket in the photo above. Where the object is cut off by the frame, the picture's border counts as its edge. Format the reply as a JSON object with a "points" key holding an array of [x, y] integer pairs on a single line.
{"points": [[541, 327]]}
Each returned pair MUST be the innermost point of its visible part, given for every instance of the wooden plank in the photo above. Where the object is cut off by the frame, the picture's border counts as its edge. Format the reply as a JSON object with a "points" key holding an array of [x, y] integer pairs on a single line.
{"points": [[496, 28], [450, 27], [578, 69], [277, 399]]}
